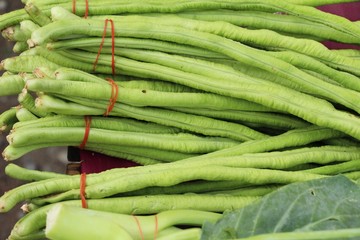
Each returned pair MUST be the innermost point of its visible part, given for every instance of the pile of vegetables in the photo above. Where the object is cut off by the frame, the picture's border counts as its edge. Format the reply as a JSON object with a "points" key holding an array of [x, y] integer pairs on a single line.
{"points": [[227, 106]]}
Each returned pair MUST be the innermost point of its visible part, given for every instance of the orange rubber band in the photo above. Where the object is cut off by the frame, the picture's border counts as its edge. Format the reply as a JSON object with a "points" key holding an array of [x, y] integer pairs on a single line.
{"points": [[112, 46], [139, 227], [114, 96], [87, 131], [86, 8], [82, 190], [156, 226], [74, 6]]}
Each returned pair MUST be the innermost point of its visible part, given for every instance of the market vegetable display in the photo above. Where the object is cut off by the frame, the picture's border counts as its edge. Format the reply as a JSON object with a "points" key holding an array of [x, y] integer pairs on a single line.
{"points": [[225, 107]]}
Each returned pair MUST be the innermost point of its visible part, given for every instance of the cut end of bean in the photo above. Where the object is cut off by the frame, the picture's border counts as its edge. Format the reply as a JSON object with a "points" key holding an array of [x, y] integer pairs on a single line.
{"points": [[9, 138], [49, 46], [6, 156], [25, 208], [3, 128], [38, 73], [7, 33], [3, 206], [31, 43], [23, 93]]}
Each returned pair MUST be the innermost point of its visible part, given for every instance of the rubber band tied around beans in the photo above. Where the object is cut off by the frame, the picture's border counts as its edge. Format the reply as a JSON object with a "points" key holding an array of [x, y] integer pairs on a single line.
{"points": [[86, 8], [87, 120], [82, 190], [114, 96], [112, 45], [139, 227]]}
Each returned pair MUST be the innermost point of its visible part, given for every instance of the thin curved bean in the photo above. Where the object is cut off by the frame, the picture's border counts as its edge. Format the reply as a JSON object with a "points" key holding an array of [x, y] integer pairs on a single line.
{"points": [[121, 124], [302, 61], [261, 119], [89, 43], [339, 168], [25, 174], [290, 24], [137, 97]]}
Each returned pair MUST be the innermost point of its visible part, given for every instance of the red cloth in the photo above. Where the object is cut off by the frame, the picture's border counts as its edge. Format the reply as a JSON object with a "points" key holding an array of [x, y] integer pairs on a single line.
{"points": [[94, 162], [350, 11]]}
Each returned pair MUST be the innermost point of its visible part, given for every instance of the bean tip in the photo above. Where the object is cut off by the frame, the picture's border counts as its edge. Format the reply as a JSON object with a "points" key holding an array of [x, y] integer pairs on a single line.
{"points": [[7, 33], [49, 46], [31, 43], [9, 139], [3, 205], [5, 157], [25, 208]]}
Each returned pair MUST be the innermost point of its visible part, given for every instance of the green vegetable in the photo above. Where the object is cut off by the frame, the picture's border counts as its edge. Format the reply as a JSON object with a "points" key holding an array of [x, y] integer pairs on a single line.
{"points": [[8, 119], [58, 223], [320, 205], [34, 221]]}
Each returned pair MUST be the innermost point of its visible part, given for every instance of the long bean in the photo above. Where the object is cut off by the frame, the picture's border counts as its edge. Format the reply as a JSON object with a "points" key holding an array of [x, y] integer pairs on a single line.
{"points": [[188, 122], [10, 85], [25, 174], [20, 47], [133, 82], [135, 43], [15, 34], [339, 168], [253, 92], [174, 6], [35, 220], [275, 160], [149, 178], [136, 97], [134, 153], [281, 23], [308, 84], [302, 61], [22, 114], [254, 38], [120, 124], [12, 153], [298, 137], [28, 101], [180, 142], [261, 119], [26, 63], [8, 119]]}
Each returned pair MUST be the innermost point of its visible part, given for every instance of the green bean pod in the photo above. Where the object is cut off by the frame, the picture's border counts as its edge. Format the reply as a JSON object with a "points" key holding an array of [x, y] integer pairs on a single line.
{"points": [[35, 220], [188, 122], [10, 85], [8, 119]]}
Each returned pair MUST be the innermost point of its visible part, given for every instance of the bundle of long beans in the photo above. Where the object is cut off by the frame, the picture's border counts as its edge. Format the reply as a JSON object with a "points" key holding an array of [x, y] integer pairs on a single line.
{"points": [[227, 100]]}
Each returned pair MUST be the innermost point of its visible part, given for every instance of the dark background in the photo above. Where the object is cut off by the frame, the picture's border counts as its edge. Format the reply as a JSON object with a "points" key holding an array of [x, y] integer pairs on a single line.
{"points": [[50, 159]]}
